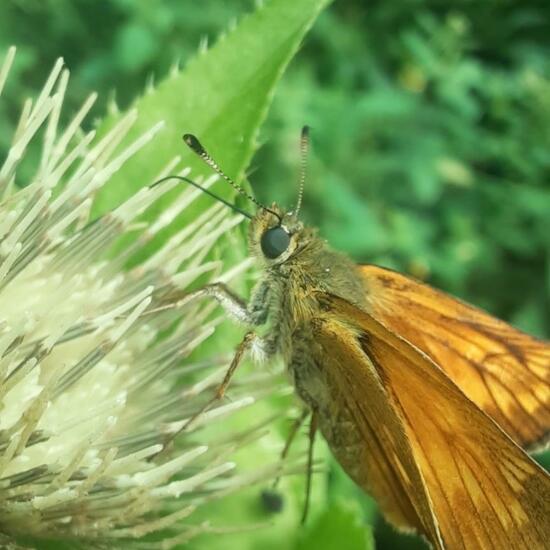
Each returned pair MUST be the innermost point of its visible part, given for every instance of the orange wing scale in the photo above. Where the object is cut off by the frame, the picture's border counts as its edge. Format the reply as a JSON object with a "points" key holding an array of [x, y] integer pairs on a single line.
{"points": [[502, 370], [469, 484]]}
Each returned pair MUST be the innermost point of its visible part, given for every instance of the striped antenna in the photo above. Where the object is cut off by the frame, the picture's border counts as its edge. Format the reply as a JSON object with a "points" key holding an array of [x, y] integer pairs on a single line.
{"points": [[195, 145], [304, 149]]}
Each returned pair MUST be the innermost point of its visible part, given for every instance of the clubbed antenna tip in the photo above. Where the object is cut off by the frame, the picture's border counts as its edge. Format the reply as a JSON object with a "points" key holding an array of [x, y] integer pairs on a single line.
{"points": [[195, 145]]}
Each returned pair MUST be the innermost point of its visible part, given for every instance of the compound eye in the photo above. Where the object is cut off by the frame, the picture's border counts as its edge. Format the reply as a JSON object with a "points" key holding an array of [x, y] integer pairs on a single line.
{"points": [[274, 242]]}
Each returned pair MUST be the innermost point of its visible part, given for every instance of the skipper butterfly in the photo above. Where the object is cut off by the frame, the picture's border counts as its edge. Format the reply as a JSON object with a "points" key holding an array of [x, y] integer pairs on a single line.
{"points": [[429, 404]]}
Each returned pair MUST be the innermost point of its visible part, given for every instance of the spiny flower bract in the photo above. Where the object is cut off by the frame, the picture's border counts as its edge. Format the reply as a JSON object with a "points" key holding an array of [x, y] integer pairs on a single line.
{"points": [[88, 394]]}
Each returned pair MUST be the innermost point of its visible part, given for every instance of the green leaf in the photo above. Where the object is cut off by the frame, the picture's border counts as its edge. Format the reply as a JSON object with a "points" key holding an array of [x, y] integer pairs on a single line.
{"points": [[222, 96]]}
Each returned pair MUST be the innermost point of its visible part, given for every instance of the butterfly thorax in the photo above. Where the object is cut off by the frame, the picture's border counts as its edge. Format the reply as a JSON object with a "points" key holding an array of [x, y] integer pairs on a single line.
{"points": [[291, 283]]}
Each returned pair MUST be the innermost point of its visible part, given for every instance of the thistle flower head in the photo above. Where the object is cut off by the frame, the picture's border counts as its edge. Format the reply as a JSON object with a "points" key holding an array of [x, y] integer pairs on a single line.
{"points": [[90, 352]]}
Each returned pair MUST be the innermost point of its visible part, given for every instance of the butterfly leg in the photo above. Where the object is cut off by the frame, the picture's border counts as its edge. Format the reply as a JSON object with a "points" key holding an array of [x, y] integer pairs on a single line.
{"points": [[245, 345], [254, 313], [290, 439], [312, 432], [250, 339]]}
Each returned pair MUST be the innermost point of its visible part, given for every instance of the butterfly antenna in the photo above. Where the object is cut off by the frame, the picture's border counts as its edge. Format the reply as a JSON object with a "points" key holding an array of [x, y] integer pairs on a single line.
{"points": [[195, 145], [204, 190], [304, 149]]}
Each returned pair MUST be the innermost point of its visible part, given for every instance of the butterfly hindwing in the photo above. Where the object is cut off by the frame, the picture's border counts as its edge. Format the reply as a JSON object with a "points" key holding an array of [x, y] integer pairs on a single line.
{"points": [[504, 371], [470, 485]]}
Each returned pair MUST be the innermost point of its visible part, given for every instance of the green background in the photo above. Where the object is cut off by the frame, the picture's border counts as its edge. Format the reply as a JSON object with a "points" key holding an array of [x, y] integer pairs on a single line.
{"points": [[430, 141]]}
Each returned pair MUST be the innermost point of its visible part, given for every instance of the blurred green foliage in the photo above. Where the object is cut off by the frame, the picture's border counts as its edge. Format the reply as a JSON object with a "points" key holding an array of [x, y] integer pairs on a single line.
{"points": [[430, 131]]}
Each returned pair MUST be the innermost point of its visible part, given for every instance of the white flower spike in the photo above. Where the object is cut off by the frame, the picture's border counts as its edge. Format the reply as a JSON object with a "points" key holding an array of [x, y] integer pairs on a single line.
{"points": [[87, 393]]}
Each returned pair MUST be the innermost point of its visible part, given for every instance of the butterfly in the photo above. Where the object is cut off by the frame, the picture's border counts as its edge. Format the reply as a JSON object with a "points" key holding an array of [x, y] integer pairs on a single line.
{"points": [[428, 403]]}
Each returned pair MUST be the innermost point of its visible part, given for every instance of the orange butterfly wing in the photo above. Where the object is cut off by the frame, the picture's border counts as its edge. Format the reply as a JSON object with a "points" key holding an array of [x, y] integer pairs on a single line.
{"points": [[470, 485], [502, 370]]}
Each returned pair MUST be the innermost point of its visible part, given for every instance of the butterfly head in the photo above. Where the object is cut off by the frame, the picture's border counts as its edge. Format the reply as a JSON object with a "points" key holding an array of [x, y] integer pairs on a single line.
{"points": [[276, 235]]}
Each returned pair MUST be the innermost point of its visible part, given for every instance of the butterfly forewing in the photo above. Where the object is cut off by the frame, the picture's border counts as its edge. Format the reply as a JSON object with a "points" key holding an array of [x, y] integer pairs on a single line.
{"points": [[374, 450], [504, 371], [471, 486]]}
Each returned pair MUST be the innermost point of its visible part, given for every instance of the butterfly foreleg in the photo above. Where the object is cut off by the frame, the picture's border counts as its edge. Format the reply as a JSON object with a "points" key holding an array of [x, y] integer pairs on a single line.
{"points": [[253, 313]]}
